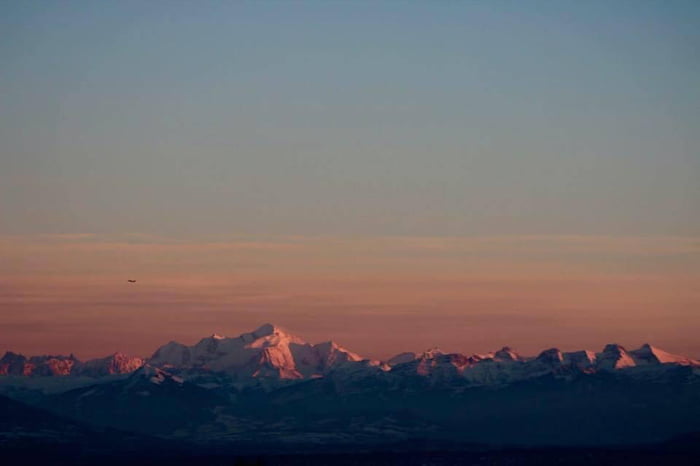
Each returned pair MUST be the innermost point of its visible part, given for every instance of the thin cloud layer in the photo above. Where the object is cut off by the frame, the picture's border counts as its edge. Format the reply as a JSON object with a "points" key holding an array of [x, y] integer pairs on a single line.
{"points": [[458, 292]]}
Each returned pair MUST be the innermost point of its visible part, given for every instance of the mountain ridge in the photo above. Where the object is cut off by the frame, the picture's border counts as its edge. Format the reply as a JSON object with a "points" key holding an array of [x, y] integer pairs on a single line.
{"points": [[271, 387], [271, 352]]}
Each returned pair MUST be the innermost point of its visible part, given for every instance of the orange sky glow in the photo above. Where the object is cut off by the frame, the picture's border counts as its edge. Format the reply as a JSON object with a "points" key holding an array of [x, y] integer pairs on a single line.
{"points": [[375, 295]]}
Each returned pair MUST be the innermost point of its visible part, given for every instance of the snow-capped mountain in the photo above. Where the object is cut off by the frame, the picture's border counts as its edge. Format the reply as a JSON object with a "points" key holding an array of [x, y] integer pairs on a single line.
{"points": [[614, 357], [117, 363], [17, 364], [506, 366], [648, 354], [268, 352], [271, 386]]}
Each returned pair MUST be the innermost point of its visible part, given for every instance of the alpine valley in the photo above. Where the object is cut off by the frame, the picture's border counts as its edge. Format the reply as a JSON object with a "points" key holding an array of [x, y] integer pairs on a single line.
{"points": [[269, 390]]}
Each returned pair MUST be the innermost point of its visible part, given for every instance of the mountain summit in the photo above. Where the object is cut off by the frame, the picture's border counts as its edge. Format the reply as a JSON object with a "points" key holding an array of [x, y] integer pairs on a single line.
{"points": [[269, 351]]}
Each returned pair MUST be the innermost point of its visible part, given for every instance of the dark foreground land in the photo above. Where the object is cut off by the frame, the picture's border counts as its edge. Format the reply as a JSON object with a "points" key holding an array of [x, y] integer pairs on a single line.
{"points": [[32, 436], [688, 455]]}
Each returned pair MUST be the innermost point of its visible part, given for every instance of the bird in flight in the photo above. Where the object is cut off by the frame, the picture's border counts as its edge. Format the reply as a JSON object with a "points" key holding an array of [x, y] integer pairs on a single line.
{"points": [[131, 281]]}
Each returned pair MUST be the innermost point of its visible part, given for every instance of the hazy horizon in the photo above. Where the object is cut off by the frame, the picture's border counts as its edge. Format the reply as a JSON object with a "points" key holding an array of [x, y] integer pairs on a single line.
{"points": [[377, 296]]}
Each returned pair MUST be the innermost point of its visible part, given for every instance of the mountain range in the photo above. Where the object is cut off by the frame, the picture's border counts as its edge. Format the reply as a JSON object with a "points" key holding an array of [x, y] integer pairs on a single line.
{"points": [[270, 352], [269, 387]]}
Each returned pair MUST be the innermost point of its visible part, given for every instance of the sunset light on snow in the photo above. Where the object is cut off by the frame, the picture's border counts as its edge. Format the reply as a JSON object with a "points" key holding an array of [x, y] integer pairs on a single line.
{"points": [[357, 232]]}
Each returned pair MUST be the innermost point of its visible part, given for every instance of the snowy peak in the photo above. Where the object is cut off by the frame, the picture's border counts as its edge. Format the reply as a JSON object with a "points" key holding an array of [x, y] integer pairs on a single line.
{"points": [[171, 354], [51, 365], [402, 358], [551, 356], [59, 365], [153, 375], [275, 363], [433, 364], [614, 348], [648, 354], [47, 365], [614, 356], [507, 354], [431, 353], [267, 352], [117, 363], [330, 353], [267, 329], [583, 360]]}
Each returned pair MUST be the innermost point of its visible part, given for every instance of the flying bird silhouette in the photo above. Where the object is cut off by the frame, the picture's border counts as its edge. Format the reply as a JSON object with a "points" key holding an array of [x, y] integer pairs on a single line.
{"points": [[131, 281]]}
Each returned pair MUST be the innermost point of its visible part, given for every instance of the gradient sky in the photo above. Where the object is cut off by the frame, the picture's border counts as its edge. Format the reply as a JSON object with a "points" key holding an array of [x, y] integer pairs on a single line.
{"points": [[393, 175]]}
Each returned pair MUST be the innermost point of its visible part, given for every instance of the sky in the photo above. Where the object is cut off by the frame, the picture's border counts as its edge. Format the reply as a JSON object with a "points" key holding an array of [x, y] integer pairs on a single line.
{"points": [[392, 175]]}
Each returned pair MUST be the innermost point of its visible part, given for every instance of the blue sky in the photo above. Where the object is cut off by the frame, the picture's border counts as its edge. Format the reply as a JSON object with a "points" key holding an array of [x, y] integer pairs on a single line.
{"points": [[361, 118]]}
